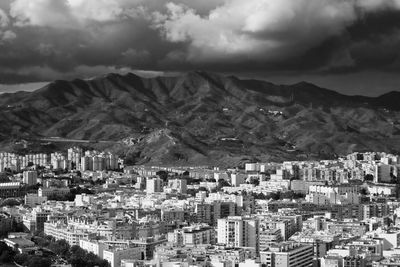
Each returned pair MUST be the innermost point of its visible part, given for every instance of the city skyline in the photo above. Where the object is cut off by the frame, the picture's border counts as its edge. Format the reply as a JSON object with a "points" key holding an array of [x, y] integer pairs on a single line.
{"points": [[199, 133]]}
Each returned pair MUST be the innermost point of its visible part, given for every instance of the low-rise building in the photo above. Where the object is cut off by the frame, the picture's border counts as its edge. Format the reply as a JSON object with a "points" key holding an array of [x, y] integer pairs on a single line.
{"points": [[193, 236], [287, 254]]}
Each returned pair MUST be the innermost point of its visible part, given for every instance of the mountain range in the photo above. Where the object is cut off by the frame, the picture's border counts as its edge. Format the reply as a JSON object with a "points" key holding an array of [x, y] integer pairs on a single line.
{"points": [[202, 118]]}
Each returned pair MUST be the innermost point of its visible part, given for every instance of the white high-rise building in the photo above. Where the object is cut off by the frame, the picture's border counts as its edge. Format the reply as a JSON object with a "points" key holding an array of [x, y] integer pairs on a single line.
{"points": [[153, 185], [74, 156], [178, 185], [237, 179], [95, 161], [237, 231], [98, 163], [86, 163], [111, 161]]}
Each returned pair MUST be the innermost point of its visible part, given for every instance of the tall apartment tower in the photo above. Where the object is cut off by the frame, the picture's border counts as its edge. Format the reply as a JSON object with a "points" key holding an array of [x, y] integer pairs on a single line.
{"points": [[30, 177], [237, 231], [153, 185]]}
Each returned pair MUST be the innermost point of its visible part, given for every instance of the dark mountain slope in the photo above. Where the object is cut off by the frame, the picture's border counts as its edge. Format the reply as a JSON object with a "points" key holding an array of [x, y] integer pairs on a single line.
{"points": [[204, 118]]}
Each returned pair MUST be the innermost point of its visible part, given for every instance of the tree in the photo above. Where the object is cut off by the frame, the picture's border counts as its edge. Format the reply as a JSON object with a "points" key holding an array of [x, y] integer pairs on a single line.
{"points": [[10, 202], [163, 175], [287, 195], [298, 195], [202, 188], [255, 181], [41, 242], [77, 262], [79, 190], [368, 177], [57, 197], [61, 248], [3, 246], [222, 183], [4, 178], [393, 178], [275, 195], [191, 192], [6, 253], [78, 256], [22, 259], [93, 260], [363, 191], [71, 195], [75, 255], [17, 226], [50, 238], [6, 256], [37, 261], [77, 250]]}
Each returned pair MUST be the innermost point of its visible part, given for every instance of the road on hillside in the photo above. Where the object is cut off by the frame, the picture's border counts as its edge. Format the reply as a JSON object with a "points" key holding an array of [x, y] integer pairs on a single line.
{"points": [[66, 140]]}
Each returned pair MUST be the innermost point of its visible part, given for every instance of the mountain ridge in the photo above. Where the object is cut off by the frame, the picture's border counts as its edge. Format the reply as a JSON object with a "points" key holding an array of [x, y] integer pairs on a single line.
{"points": [[202, 117]]}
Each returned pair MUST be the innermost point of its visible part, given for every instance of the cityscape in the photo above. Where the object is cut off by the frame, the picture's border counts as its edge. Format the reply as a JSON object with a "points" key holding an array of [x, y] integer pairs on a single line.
{"points": [[199, 133], [87, 208]]}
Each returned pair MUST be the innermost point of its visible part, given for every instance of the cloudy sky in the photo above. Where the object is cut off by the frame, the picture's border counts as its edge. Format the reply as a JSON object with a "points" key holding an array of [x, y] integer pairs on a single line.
{"points": [[351, 46]]}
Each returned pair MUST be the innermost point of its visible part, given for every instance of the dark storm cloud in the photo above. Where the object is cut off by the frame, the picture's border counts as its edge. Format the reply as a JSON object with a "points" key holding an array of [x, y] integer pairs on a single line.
{"points": [[47, 39], [376, 40]]}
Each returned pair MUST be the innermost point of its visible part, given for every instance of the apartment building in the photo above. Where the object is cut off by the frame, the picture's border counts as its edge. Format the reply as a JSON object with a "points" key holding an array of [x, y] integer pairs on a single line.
{"points": [[287, 254], [238, 231], [193, 235]]}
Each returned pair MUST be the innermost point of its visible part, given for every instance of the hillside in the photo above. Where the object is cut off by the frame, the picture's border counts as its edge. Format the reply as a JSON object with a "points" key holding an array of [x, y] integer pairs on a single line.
{"points": [[203, 118]]}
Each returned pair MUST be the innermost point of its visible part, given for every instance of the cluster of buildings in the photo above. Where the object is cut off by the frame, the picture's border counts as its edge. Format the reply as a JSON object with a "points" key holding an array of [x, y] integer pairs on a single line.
{"points": [[342, 212], [32, 169], [15, 162], [75, 159]]}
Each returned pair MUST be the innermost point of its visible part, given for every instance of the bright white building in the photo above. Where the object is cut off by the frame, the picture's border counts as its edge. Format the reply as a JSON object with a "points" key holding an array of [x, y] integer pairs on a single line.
{"points": [[237, 231]]}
